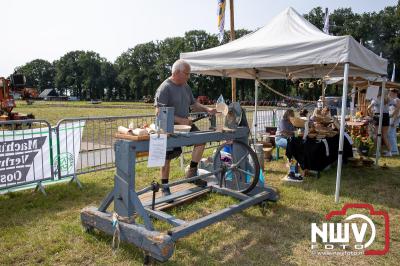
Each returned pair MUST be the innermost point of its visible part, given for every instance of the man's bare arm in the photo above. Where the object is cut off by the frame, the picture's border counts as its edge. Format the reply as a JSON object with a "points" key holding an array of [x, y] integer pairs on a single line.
{"points": [[177, 119], [198, 107]]}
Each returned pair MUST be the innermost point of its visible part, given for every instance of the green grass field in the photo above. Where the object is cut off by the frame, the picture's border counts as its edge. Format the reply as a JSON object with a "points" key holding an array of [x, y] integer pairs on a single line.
{"points": [[37, 229], [55, 111]]}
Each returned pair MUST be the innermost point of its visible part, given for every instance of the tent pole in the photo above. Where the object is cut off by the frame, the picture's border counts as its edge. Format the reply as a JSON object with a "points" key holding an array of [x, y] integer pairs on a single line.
{"points": [[379, 136], [342, 125], [353, 99], [232, 19], [255, 111]]}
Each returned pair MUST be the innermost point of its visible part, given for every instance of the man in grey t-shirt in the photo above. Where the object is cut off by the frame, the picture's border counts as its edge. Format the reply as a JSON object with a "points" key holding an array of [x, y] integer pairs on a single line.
{"points": [[175, 92]]}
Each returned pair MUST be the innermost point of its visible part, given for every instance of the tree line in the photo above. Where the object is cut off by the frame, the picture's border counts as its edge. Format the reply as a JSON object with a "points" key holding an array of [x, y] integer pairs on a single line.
{"points": [[138, 71]]}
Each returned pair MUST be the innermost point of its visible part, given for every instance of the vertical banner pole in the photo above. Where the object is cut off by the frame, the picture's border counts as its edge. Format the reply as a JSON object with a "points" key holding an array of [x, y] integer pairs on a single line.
{"points": [[232, 19]]}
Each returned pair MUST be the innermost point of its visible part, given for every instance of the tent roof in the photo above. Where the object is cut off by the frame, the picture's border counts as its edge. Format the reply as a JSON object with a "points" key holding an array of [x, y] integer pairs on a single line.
{"points": [[287, 46]]}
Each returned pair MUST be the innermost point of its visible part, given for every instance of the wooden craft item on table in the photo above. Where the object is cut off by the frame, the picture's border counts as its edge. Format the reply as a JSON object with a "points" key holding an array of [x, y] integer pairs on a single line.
{"points": [[297, 122]]}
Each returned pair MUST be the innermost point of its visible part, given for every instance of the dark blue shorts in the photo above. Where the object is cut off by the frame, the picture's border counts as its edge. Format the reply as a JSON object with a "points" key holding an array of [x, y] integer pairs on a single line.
{"points": [[176, 152], [385, 119]]}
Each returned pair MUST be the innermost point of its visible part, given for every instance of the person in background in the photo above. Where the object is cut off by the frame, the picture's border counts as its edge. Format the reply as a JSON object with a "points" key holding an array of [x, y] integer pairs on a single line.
{"points": [[303, 113], [325, 112], [375, 107], [285, 129], [175, 92], [394, 113], [317, 111]]}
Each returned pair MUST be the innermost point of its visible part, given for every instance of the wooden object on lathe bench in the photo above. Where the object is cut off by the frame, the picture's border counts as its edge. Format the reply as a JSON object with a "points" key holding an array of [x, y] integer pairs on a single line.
{"points": [[131, 137], [134, 138]]}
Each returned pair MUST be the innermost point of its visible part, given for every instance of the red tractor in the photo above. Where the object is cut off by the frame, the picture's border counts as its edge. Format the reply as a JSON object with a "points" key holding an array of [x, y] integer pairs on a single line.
{"points": [[16, 82]]}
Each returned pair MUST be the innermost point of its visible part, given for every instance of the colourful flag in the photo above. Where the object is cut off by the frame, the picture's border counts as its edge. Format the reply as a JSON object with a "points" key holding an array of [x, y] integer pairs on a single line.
{"points": [[221, 19], [394, 72], [326, 23]]}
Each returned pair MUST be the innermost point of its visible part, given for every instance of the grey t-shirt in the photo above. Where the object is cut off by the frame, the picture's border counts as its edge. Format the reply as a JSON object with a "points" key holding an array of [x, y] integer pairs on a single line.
{"points": [[284, 125], [171, 95]]}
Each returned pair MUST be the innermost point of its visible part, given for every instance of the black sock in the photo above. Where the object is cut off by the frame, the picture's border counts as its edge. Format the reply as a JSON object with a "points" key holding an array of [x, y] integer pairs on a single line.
{"points": [[164, 181], [193, 164]]}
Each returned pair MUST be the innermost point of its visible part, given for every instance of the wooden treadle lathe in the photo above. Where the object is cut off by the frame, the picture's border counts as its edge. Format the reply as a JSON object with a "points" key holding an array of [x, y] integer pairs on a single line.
{"points": [[236, 173]]}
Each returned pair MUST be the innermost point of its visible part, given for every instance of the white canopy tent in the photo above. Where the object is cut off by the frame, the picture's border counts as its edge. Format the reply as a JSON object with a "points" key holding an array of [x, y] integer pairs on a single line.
{"points": [[288, 44], [291, 47]]}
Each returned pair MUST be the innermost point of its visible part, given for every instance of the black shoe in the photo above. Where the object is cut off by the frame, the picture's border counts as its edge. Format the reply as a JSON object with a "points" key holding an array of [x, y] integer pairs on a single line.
{"points": [[200, 183], [166, 191], [191, 172], [294, 178]]}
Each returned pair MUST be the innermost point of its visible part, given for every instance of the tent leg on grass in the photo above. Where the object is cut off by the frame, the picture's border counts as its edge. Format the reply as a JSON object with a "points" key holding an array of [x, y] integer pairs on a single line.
{"points": [[255, 111], [342, 125], [379, 136]]}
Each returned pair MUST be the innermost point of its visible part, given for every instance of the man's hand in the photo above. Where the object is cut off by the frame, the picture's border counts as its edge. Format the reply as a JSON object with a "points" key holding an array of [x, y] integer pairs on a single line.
{"points": [[188, 121], [183, 121], [198, 107], [212, 111]]}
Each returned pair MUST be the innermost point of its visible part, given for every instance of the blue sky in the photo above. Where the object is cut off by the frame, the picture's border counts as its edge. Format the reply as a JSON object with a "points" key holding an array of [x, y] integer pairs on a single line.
{"points": [[47, 29]]}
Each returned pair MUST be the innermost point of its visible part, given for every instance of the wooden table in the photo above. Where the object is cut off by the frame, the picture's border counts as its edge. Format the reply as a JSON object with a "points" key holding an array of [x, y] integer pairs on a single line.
{"points": [[356, 124], [358, 128]]}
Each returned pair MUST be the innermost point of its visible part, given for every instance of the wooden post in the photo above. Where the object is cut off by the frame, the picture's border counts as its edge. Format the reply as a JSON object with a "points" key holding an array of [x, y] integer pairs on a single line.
{"points": [[233, 80]]}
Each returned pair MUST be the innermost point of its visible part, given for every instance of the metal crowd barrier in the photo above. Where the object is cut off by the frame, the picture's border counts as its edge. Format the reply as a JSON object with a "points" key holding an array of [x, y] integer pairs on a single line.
{"points": [[26, 153], [82, 145], [267, 118], [96, 149]]}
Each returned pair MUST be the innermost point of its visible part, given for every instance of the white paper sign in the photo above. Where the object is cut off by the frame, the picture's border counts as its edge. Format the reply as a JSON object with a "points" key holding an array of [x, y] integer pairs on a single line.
{"points": [[157, 150], [372, 92]]}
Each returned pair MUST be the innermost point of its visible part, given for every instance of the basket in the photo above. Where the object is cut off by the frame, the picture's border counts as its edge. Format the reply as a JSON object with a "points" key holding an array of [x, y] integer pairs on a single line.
{"points": [[297, 122], [324, 131], [331, 134], [312, 135], [322, 119], [267, 153]]}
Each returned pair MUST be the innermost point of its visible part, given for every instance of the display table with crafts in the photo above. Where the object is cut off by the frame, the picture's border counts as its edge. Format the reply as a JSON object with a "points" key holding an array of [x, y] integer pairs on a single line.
{"points": [[317, 153], [319, 148]]}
